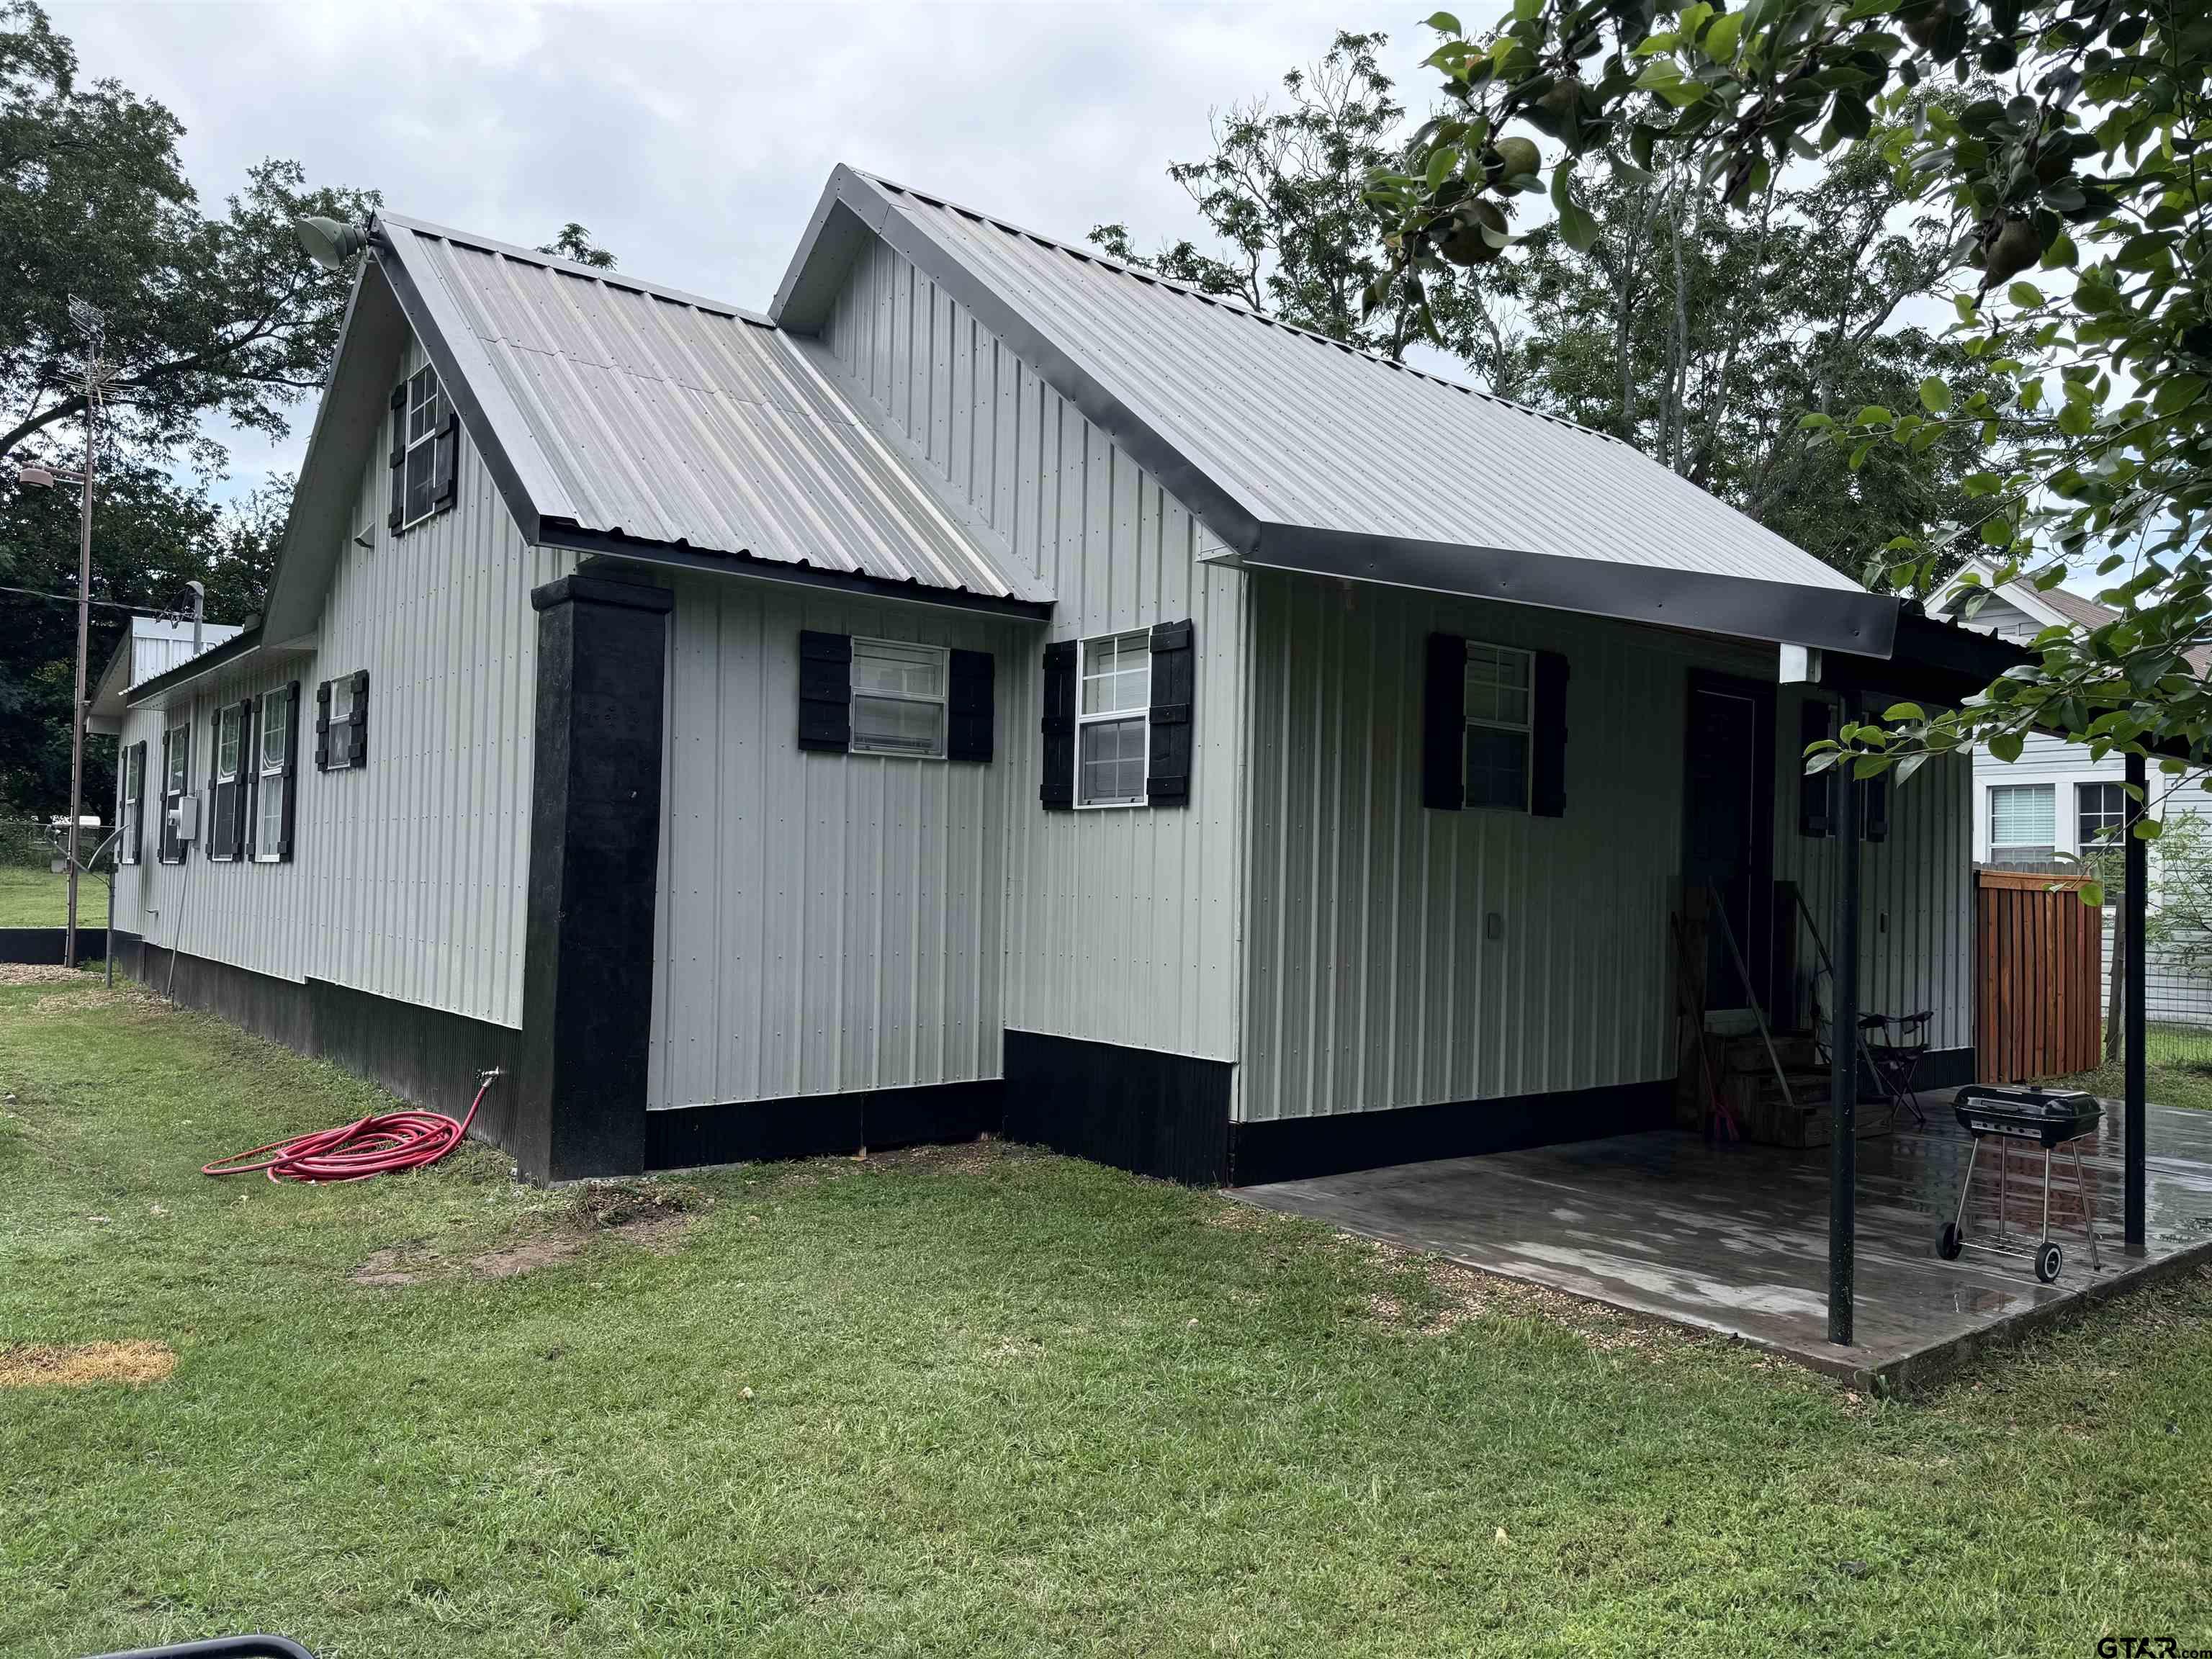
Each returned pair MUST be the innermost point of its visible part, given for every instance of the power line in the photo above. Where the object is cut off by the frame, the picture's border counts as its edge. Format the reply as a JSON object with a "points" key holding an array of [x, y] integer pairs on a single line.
{"points": [[70, 598]]}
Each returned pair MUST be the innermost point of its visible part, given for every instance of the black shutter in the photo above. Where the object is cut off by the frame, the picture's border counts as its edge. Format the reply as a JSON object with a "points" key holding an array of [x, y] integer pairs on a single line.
{"points": [[358, 719], [323, 726], [1874, 807], [970, 712], [1816, 791], [445, 459], [398, 459], [1547, 747], [1057, 791], [1444, 724], [825, 691], [1166, 770], [138, 806], [291, 768]]}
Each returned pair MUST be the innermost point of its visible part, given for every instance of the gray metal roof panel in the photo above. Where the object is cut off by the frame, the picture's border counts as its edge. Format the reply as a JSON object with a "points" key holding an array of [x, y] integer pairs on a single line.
{"points": [[1309, 434], [652, 415]]}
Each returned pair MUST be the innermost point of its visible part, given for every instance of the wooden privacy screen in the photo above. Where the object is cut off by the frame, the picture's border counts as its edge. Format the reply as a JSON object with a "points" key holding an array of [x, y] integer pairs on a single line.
{"points": [[2039, 961]]}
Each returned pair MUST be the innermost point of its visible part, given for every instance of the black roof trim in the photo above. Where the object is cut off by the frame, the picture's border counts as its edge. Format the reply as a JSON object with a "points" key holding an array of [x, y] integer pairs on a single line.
{"points": [[1833, 619], [555, 532]]}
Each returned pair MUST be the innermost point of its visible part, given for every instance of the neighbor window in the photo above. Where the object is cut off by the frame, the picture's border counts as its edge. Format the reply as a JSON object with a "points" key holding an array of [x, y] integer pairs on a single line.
{"points": [[898, 699], [269, 792], [2100, 811], [2023, 823], [425, 411], [1497, 725], [222, 837], [134, 803], [1113, 720]]}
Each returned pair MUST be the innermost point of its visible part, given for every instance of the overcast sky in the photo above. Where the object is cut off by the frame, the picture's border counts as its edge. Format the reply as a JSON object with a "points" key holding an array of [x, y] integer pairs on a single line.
{"points": [[693, 140]]}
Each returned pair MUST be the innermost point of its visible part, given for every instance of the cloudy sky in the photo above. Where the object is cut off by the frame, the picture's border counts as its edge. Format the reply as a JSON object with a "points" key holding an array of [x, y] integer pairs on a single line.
{"points": [[693, 140]]}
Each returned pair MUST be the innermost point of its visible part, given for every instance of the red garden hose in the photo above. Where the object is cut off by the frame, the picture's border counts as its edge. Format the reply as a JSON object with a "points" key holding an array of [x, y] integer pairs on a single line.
{"points": [[375, 1145]]}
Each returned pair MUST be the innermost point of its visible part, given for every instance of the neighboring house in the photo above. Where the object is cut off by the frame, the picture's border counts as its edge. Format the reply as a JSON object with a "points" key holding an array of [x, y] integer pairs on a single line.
{"points": [[1000, 688], [2050, 806]]}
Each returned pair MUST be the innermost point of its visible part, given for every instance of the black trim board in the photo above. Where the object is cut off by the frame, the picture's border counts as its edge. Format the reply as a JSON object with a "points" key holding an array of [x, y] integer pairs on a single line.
{"points": [[426, 1056], [1136, 1108], [596, 546], [593, 878], [41, 947], [822, 1126], [1300, 1148]]}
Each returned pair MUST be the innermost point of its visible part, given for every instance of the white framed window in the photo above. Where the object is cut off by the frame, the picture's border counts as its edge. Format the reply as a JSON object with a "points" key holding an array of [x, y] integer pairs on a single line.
{"points": [[134, 803], [1113, 719], [229, 737], [176, 773], [1499, 725], [2100, 813], [426, 412], [341, 728], [2023, 823], [898, 699], [275, 718]]}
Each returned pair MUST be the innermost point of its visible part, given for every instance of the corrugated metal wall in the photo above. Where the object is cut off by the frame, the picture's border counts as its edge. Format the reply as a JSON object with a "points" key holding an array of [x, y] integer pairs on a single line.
{"points": [[1121, 926], [1915, 889], [409, 876], [827, 922], [1373, 979]]}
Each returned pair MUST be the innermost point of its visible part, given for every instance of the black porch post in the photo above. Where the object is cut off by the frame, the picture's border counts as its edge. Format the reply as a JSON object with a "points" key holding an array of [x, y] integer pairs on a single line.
{"points": [[1844, 1056], [2138, 900]]}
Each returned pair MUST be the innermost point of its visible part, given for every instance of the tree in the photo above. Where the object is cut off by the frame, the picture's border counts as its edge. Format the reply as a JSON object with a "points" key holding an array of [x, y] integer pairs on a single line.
{"points": [[574, 243], [222, 316], [1695, 331], [2086, 164], [1286, 189]]}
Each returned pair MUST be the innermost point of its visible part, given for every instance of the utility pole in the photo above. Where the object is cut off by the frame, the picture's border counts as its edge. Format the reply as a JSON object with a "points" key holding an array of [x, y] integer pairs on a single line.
{"points": [[90, 323]]}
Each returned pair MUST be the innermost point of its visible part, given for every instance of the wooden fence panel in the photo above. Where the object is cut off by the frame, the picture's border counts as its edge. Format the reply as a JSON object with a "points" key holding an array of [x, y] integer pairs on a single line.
{"points": [[2039, 966]]}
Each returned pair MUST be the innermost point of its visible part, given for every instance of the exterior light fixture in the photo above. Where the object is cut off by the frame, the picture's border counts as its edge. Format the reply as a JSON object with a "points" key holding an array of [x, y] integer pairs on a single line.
{"points": [[329, 243]]}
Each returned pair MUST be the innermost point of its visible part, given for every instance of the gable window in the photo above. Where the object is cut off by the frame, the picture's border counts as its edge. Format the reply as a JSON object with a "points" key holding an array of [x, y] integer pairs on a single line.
{"points": [[2023, 823], [1498, 726], [134, 804], [2100, 813], [425, 414], [898, 699], [1113, 719], [271, 789]]}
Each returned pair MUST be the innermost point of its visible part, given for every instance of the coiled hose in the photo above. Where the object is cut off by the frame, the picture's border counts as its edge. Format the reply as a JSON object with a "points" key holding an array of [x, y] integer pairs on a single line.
{"points": [[376, 1144]]}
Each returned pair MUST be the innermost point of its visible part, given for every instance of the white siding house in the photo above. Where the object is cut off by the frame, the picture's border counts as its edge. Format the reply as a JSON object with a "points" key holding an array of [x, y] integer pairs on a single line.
{"points": [[997, 688]]}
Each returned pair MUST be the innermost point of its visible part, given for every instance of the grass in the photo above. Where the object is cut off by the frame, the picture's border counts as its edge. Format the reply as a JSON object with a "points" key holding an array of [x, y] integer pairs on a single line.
{"points": [[36, 898], [982, 1402]]}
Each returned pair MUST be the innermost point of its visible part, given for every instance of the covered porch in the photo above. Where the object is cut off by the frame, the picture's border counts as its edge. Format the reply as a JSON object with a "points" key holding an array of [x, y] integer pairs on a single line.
{"points": [[1736, 1238]]}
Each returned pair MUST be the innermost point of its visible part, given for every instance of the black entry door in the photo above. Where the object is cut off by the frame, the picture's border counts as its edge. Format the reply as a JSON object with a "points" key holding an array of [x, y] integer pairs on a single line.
{"points": [[1728, 840]]}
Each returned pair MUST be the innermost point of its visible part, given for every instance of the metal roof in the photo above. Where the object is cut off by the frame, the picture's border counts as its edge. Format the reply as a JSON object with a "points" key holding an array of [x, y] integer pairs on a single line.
{"points": [[628, 410], [1301, 452]]}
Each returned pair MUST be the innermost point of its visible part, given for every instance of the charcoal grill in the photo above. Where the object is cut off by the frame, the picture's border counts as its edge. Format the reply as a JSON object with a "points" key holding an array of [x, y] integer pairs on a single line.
{"points": [[2048, 1118]]}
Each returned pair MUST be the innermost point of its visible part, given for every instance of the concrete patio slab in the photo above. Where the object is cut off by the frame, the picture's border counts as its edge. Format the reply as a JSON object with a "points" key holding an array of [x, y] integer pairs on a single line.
{"points": [[1735, 1238]]}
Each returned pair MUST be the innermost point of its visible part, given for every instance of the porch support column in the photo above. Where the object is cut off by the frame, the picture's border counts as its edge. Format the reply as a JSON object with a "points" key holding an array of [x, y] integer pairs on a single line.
{"points": [[1844, 1056], [2137, 899], [594, 865]]}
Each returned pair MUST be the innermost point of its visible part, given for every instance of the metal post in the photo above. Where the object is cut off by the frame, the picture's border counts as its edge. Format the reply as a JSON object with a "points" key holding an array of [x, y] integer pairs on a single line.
{"points": [[1844, 1056], [83, 627], [2138, 900]]}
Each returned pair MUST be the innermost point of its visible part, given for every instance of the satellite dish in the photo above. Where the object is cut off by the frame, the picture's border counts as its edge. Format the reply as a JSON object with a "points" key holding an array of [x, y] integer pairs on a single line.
{"points": [[329, 243]]}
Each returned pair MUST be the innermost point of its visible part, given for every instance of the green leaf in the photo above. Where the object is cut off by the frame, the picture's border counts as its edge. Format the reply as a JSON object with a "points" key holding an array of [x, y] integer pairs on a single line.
{"points": [[1935, 394], [1721, 40], [1904, 711], [1444, 23], [2006, 747], [1576, 229], [2025, 294], [2176, 392], [2093, 894]]}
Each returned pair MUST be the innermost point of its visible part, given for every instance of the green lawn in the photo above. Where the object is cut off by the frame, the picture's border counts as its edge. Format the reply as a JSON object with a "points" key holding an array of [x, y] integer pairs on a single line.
{"points": [[36, 898], [976, 1403]]}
